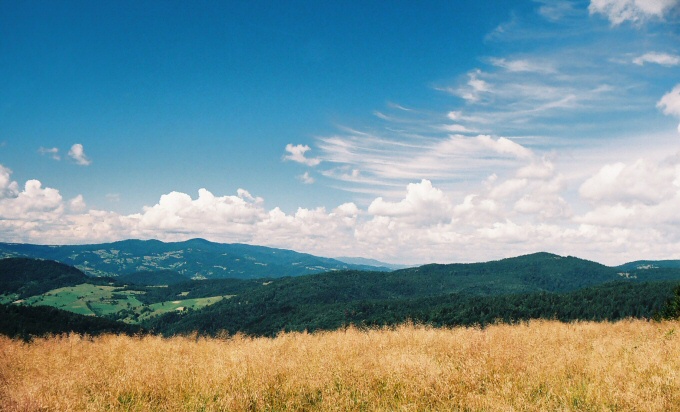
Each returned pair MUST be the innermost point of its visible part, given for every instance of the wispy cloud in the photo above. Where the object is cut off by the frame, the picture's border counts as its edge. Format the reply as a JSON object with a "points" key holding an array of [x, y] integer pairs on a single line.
{"points": [[113, 197], [555, 10], [523, 65], [664, 59], [635, 11], [77, 153], [53, 152], [306, 178], [510, 110]]}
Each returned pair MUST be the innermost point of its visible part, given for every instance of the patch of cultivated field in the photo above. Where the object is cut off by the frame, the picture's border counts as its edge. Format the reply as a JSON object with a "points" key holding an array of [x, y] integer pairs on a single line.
{"points": [[8, 298], [87, 299], [537, 366], [182, 304]]}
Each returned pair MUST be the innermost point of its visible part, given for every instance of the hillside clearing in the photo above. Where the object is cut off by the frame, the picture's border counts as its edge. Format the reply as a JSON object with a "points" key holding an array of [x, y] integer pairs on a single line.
{"points": [[536, 366], [97, 300]]}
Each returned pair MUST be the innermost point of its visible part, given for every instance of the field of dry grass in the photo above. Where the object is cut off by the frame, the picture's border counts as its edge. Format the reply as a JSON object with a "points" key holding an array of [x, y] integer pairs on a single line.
{"points": [[540, 366]]}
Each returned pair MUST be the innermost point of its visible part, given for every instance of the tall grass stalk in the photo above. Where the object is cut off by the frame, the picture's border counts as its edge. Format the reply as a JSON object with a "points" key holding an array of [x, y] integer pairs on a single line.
{"points": [[536, 366]]}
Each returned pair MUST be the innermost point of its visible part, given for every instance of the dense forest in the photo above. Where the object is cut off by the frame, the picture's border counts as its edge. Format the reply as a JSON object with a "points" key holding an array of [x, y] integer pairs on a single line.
{"points": [[25, 322], [277, 312], [28, 277]]}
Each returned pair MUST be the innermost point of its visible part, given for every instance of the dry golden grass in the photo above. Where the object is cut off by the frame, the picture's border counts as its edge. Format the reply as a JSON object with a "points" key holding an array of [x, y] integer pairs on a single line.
{"points": [[540, 366]]}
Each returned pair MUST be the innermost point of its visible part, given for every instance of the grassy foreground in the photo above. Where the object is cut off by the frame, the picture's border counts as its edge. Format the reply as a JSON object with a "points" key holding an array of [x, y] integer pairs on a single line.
{"points": [[539, 366]]}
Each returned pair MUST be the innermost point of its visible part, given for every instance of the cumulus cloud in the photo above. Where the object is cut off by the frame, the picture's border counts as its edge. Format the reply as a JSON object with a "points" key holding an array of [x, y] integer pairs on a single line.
{"points": [[646, 182], [643, 195], [423, 203], [77, 153], [630, 207], [297, 154], [663, 59], [33, 202], [77, 204], [8, 188], [53, 152], [636, 11], [670, 102]]}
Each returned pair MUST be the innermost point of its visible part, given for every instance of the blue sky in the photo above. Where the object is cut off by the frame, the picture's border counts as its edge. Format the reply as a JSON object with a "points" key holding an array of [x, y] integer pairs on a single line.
{"points": [[451, 131]]}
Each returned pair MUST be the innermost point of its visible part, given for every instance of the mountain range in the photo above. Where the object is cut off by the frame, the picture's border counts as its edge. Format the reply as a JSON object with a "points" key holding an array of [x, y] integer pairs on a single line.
{"points": [[195, 259], [160, 289]]}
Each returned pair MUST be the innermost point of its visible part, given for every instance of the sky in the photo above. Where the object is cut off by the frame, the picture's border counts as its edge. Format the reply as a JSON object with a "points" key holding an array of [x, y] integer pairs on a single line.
{"points": [[409, 132]]}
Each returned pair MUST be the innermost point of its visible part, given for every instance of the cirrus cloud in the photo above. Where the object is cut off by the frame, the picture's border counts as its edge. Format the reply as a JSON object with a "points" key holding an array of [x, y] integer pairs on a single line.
{"points": [[663, 59], [636, 11]]}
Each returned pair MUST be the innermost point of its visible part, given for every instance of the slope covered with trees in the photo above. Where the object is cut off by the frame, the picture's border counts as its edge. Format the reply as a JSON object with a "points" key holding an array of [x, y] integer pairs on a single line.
{"points": [[25, 322], [27, 277]]}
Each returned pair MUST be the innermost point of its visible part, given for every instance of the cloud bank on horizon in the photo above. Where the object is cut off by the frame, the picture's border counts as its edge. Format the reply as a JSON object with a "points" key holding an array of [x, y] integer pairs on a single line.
{"points": [[558, 139]]}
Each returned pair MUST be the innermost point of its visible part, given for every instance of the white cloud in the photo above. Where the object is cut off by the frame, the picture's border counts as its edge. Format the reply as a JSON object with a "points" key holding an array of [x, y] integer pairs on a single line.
{"points": [[297, 154], [423, 203], [33, 202], [8, 188], [77, 153], [52, 152], [306, 178], [474, 89], [646, 182], [523, 65], [77, 204], [670, 102], [636, 11], [503, 145], [386, 162], [456, 128], [554, 10], [663, 59], [631, 208]]}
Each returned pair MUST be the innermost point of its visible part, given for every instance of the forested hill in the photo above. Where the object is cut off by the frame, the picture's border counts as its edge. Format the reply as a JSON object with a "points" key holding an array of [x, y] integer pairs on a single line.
{"points": [[535, 272], [196, 258], [26, 322], [28, 277]]}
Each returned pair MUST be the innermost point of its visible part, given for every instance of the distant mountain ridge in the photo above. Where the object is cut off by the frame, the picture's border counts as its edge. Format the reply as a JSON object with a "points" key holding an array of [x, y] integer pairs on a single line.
{"points": [[195, 258], [371, 262], [650, 264]]}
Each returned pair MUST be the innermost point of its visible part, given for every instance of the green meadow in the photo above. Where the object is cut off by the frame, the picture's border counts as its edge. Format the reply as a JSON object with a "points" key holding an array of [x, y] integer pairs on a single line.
{"points": [[112, 301]]}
